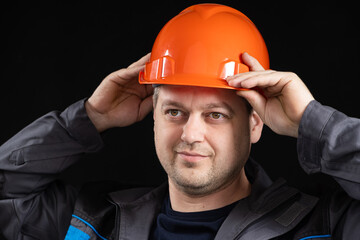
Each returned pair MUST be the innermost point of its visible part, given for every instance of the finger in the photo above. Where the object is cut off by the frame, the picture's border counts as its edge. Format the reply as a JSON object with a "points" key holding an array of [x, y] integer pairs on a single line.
{"points": [[246, 75], [145, 107], [252, 79], [251, 62], [265, 80], [128, 73], [256, 100], [141, 61]]}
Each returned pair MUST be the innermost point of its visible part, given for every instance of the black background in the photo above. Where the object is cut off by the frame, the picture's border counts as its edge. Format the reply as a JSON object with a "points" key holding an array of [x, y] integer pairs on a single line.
{"points": [[57, 52]]}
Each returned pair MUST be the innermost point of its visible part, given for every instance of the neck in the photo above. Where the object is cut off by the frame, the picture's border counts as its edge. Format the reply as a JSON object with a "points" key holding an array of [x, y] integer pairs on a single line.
{"points": [[236, 190]]}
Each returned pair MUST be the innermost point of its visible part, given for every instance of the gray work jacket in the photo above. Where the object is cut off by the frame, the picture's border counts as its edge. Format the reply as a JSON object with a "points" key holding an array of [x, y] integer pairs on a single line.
{"points": [[34, 205]]}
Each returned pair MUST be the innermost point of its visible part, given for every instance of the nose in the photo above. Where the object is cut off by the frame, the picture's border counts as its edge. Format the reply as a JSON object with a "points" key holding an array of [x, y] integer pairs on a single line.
{"points": [[193, 130]]}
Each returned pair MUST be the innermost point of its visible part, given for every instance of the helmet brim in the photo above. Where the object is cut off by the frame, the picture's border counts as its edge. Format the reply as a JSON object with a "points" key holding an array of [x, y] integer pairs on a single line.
{"points": [[189, 80]]}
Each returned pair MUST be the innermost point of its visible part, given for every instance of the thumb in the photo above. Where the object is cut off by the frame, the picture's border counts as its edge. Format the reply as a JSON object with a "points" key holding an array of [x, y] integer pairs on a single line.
{"points": [[145, 107], [251, 62], [256, 100]]}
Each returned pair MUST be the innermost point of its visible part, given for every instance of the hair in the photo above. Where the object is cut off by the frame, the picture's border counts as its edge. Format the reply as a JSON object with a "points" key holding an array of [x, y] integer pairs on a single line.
{"points": [[157, 90], [156, 93]]}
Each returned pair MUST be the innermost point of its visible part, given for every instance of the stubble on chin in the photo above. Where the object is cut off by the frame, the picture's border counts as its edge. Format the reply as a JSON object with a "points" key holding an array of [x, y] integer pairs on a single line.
{"points": [[193, 181]]}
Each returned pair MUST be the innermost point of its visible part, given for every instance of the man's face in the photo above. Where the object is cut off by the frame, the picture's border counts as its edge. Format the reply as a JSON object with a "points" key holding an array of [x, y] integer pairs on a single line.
{"points": [[202, 136]]}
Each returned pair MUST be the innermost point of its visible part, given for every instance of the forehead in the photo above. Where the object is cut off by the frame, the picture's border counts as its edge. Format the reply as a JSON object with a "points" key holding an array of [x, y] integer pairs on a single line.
{"points": [[199, 96]]}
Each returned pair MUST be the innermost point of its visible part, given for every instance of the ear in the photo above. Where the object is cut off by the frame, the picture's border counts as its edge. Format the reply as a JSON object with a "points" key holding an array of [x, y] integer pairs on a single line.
{"points": [[256, 126]]}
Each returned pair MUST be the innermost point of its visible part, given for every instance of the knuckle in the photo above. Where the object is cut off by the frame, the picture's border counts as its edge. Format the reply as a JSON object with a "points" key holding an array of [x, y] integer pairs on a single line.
{"points": [[292, 75]]}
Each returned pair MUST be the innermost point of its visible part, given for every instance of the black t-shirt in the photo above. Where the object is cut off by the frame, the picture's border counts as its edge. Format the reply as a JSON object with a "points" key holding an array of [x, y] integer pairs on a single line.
{"points": [[175, 225]]}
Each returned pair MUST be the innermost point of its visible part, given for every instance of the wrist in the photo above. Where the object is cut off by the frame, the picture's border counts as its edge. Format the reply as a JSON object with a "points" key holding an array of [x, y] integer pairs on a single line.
{"points": [[96, 118]]}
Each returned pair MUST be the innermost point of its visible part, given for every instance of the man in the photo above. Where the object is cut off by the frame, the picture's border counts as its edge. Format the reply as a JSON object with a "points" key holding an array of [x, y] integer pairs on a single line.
{"points": [[203, 136]]}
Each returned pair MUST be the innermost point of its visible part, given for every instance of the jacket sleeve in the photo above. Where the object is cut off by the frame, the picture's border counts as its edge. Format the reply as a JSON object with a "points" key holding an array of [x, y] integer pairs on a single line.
{"points": [[329, 142], [32, 202]]}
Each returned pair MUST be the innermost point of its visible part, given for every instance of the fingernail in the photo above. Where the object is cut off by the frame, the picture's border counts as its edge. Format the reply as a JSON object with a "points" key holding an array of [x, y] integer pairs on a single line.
{"points": [[229, 80], [232, 84]]}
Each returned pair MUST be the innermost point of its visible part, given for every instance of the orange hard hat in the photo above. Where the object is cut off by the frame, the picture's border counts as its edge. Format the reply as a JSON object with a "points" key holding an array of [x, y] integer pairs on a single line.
{"points": [[202, 46]]}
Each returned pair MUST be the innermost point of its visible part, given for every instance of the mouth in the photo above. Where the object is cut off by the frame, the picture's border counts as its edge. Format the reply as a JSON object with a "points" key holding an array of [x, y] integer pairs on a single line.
{"points": [[191, 156]]}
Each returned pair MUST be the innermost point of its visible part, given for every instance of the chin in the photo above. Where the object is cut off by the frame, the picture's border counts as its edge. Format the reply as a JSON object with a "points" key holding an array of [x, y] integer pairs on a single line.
{"points": [[194, 184]]}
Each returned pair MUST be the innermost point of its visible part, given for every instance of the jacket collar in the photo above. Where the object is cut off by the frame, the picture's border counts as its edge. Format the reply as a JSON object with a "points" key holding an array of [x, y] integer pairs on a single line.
{"points": [[136, 211], [272, 209]]}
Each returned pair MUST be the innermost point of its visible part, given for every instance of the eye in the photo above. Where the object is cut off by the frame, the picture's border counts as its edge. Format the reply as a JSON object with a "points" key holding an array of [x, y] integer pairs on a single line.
{"points": [[216, 115], [173, 112]]}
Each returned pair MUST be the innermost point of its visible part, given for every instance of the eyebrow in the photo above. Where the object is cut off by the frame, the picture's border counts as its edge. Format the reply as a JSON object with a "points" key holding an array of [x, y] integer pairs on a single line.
{"points": [[208, 106], [220, 105], [167, 103]]}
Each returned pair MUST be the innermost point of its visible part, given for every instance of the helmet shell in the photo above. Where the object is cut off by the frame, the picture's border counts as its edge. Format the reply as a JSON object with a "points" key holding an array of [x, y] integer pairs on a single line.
{"points": [[202, 46]]}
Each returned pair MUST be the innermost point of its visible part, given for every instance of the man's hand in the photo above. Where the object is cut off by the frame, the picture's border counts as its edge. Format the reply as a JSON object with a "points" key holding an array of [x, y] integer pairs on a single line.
{"points": [[120, 100], [283, 98]]}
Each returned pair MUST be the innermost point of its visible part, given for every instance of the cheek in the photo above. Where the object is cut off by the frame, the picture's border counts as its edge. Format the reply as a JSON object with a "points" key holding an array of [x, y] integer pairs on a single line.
{"points": [[223, 146], [242, 144], [230, 144], [166, 137]]}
